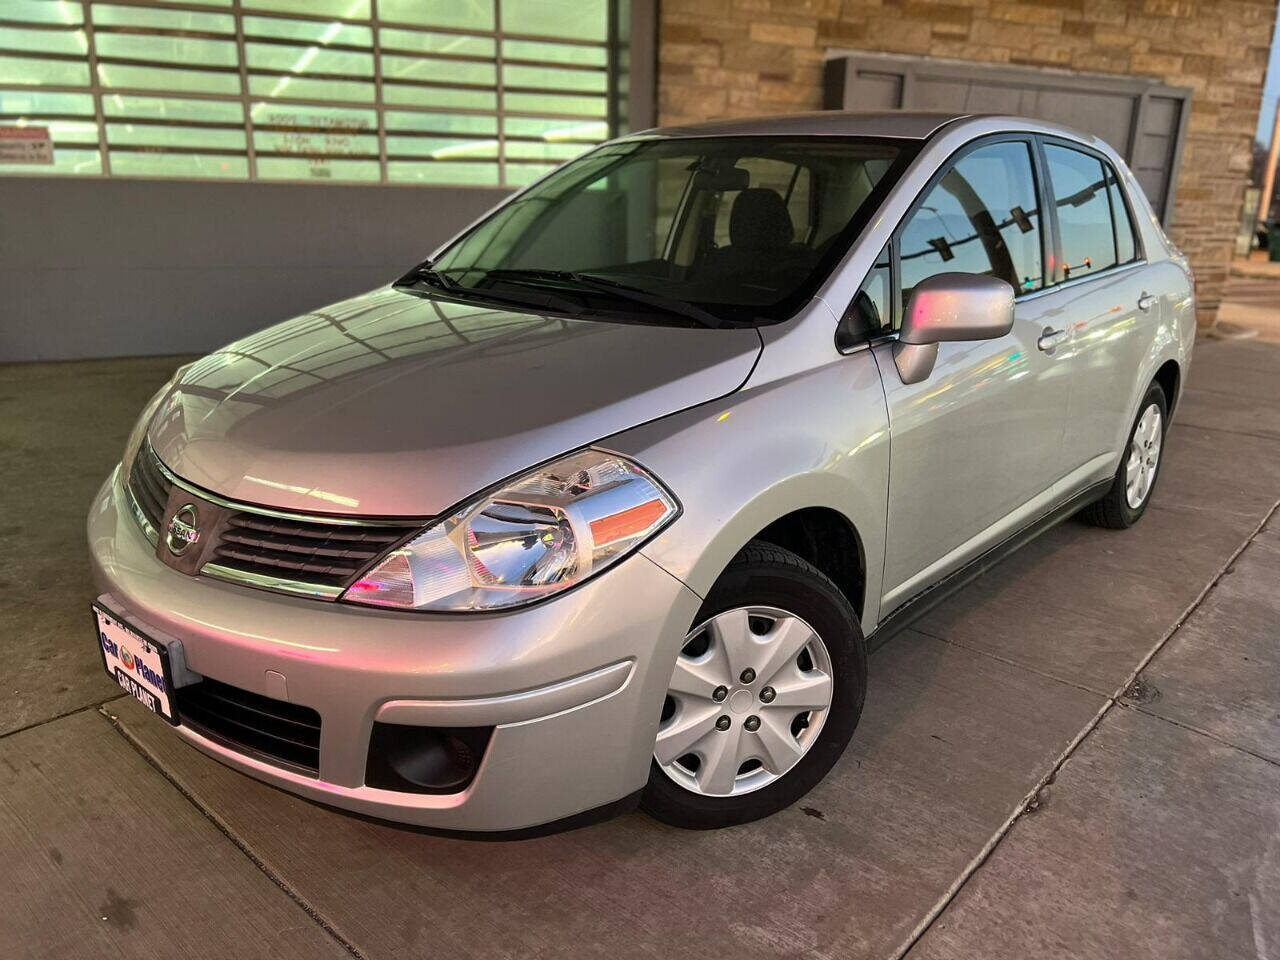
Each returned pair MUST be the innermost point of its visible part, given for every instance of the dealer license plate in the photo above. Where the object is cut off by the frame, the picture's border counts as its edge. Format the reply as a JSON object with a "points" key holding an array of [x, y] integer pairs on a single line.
{"points": [[137, 663]]}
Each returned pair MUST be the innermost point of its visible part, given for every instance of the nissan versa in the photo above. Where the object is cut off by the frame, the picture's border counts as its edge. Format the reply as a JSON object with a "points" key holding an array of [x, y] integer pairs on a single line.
{"points": [[604, 502]]}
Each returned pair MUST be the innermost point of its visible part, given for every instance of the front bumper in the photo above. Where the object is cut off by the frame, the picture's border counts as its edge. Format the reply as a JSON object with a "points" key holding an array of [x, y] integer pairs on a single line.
{"points": [[573, 687]]}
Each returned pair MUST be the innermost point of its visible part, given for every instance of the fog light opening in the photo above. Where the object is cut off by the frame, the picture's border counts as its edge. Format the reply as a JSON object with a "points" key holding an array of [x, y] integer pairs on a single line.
{"points": [[424, 759]]}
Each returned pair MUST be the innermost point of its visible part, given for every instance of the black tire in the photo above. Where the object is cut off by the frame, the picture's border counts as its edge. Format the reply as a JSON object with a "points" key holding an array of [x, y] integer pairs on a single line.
{"points": [[1113, 510], [765, 575]]}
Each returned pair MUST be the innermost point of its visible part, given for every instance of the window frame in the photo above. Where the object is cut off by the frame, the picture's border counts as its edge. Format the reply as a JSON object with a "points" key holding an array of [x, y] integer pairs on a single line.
{"points": [[1139, 247]]}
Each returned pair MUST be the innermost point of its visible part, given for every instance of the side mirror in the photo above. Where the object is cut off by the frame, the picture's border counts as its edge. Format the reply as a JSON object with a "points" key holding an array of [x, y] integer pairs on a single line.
{"points": [[950, 306]]}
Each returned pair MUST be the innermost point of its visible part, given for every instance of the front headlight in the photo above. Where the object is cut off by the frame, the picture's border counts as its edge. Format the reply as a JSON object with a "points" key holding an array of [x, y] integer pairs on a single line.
{"points": [[134, 443], [539, 534]]}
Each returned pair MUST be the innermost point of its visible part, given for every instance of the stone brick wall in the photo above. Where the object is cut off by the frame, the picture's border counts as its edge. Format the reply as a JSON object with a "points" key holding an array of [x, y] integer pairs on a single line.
{"points": [[725, 58]]}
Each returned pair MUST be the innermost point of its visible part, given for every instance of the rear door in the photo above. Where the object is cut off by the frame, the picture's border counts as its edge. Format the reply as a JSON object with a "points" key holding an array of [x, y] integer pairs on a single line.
{"points": [[1107, 288], [976, 446]]}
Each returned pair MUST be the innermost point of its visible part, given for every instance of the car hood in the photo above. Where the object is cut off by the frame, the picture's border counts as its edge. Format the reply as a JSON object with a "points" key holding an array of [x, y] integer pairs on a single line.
{"points": [[391, 404]]}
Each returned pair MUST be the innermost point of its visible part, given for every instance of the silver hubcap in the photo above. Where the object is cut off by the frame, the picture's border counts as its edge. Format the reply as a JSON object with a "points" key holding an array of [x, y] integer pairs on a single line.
{"points": [[750, 692], [1144, 457]]}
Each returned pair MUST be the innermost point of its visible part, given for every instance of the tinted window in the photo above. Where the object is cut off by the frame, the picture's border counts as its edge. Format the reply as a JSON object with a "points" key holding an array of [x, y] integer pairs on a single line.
{"points": [[743, 227], [788, 180], [1084, 212], [1126, 247], [982, 217]]}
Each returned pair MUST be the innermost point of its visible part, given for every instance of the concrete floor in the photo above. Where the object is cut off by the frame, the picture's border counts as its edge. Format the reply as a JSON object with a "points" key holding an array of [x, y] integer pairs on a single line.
{"points": [[1077, 755], [1251, 297]]}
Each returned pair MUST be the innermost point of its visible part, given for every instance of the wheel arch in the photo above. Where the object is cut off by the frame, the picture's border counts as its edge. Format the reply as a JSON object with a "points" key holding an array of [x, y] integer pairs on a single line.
{"points": [[1169, 378], [828, 539], [808, 514], [1164, 364]]}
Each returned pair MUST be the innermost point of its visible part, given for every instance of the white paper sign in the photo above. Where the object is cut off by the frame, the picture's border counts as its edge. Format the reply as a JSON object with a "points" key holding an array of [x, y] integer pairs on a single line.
{"points": [[25, 145]]}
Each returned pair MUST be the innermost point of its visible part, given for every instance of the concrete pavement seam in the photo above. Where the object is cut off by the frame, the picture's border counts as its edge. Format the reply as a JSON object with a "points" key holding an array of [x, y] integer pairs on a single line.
{"points": [[1011, 663], [1021, 809], [1232, 394], [1219, 429], [1192, 728], [239, 842], [96, 705]]}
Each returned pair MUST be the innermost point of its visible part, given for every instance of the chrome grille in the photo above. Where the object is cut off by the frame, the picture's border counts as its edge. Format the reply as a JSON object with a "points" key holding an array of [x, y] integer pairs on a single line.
{"points": [[148, 490], [324, 554], [309, 555]]}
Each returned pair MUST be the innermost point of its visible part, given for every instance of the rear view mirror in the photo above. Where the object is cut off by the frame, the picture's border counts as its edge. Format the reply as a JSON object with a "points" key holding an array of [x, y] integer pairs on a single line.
{"points": [[722, 179], [950, 306]]}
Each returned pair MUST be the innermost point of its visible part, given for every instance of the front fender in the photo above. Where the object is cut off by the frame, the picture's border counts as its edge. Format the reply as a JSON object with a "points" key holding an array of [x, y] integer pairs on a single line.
{"points": [[816, 439]]}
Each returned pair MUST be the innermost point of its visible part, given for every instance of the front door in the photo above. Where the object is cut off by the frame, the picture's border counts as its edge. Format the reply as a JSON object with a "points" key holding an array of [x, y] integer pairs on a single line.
{"points": [[976, 447]]}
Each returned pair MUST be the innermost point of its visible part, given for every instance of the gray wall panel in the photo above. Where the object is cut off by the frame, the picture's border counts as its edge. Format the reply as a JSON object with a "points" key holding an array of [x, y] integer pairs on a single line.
{"points": [[97, 268], [879, 91], [1144, 120]]}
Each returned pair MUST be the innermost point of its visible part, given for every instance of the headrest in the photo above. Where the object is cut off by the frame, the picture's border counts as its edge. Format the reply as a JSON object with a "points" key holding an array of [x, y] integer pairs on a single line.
{"points": [[759, 220]]}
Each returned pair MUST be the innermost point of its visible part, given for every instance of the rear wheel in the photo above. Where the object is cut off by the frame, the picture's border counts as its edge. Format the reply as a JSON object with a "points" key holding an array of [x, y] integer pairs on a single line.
{"points": [[765, 694], [1135, 478]]}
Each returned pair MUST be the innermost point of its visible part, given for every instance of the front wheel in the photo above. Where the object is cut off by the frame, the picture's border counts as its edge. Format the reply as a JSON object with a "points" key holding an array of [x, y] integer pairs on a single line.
{"points": [[766, 692], [1135, 478]]}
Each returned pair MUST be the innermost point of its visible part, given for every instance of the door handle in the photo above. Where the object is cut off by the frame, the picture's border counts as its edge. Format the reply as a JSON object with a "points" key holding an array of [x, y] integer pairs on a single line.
{"points": [[1050, 339], [1145, 301]]}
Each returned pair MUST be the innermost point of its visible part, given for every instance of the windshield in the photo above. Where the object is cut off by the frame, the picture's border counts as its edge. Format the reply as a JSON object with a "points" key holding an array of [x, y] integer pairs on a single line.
{"points": [[708, 231]]}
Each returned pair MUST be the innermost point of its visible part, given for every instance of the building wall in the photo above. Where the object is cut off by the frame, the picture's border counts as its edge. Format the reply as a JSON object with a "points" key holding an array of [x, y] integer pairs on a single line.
{"points": [[725, 58], [100, 268]]}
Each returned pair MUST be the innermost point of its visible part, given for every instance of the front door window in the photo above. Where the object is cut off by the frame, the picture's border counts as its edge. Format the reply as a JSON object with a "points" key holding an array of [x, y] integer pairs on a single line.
{"points": [[983, 216]]}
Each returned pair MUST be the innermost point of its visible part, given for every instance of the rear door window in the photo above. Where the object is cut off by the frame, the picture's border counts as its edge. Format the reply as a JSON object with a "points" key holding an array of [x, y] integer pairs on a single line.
{"points": [[982, 216], [1126, 244], [1092, 218]]}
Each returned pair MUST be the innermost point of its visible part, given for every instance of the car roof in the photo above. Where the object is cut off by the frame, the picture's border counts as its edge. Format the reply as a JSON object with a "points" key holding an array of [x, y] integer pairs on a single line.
{"points": [[915, 124]]}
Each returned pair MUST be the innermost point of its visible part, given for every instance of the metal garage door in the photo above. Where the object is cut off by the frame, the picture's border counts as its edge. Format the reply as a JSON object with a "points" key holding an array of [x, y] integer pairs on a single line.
{"points": [[1143, 120]]}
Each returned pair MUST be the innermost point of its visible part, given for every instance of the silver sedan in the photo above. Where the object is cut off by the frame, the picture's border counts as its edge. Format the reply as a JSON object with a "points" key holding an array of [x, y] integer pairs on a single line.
{"points": [[605, 501]]}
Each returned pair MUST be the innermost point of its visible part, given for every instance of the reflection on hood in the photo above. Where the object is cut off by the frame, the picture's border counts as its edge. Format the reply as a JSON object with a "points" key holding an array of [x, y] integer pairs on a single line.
{"points": [[396, 404]]}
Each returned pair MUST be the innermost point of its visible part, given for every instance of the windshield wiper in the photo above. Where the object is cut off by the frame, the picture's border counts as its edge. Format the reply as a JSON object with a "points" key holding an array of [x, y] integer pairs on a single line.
{"points": [[624, 291], [425, 272]]}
